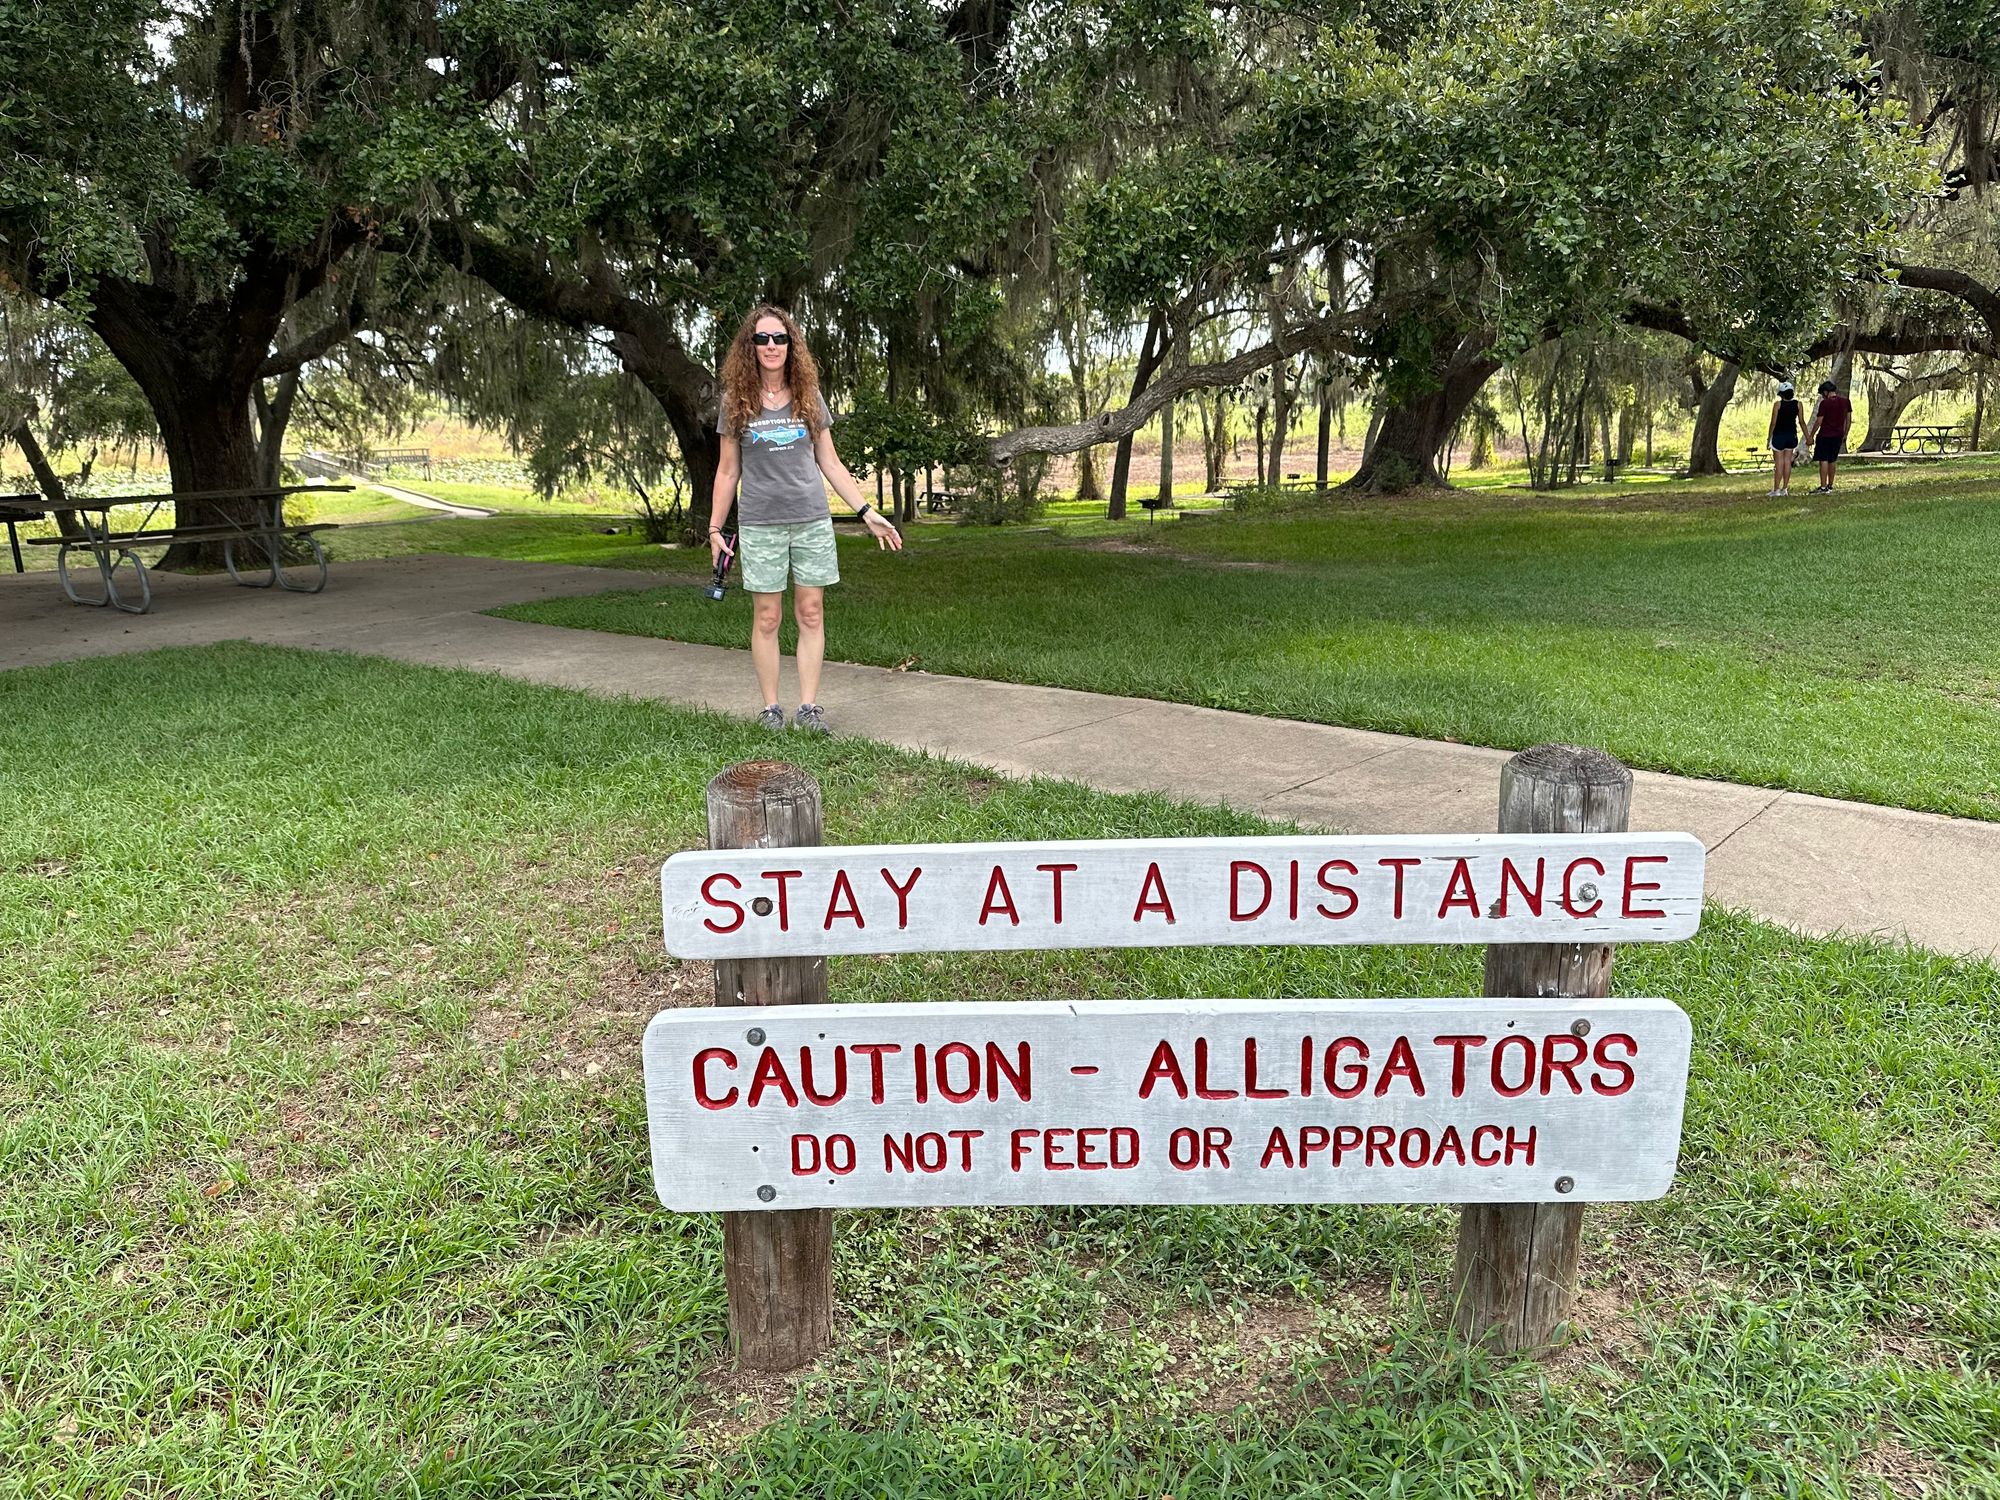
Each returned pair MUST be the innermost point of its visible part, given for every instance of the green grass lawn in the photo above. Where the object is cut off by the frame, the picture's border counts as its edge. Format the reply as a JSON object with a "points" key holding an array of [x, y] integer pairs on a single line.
{"points": [[323, 1163], [1846, 645]]}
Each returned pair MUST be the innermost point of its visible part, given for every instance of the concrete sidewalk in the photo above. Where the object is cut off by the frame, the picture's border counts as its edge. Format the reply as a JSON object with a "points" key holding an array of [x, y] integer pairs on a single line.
{"points": [[1813, 863]]}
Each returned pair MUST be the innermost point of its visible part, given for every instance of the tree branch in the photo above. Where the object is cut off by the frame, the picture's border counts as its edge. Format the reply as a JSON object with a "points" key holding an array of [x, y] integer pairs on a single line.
{"points": [[1106, 427], [1980, 298]]}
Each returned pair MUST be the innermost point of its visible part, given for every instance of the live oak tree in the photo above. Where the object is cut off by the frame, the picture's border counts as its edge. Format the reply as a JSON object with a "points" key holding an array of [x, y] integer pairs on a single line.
{"points": [[1515, 170], [183, 176]]}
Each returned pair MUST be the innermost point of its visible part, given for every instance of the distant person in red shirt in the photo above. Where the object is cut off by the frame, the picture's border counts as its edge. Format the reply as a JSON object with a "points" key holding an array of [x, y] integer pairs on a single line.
{"points": [[1828, 433]]}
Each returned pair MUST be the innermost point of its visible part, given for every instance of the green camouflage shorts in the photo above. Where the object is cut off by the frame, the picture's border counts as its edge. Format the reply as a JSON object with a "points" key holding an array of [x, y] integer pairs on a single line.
{"points": [[802, 549]]}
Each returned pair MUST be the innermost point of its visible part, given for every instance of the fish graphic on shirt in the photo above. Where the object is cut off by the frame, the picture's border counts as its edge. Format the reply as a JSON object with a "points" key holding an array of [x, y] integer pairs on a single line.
{"points": [[777, 435]]}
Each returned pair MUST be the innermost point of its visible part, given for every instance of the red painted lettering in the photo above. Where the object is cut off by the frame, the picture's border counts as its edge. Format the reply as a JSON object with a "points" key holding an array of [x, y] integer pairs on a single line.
{"points": [[1413, 1146], [998, 898], [783, 880], [1381, 1142], [770, 1073], [714, 900], [1312, 1138], [1346, 1138], [965, 1138], [952, 1052], [1458, 890], [1357, 1072], [1238, 868], [1164, 1066], [1055, 874], [1402, 1063], [1215, 1145], [1340, 892], [1399, 866], [1632, 886], [1450, 1142], [702, 1095], [1250, 1089], [839, 1076], [1481, 1157], [1016, 1073], [1500, 1085], [1572, 1050], [1458, 1045], [1153, 895], [1088, 1140], [1277, 1148], [875, 1052], [1569, 891], [850, 912], [1201, 1087], [1525, 1146], [1530, 898], [902, 894], [1052, 1153], [1124, 1148], [1621, 1071]]}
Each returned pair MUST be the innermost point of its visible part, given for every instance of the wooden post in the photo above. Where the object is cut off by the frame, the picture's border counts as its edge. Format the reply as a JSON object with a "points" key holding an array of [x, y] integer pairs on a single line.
{"points": [[1515, 1277], [778, 1263]]}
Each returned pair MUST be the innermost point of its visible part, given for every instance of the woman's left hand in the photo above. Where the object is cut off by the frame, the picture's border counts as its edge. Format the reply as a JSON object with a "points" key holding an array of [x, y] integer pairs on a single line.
{"points": [[884, 531]]}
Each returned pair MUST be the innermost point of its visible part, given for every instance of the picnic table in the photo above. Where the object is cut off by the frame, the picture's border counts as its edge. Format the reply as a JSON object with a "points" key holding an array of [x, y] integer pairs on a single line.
{"points": [[1921, 437], [938, 501], [254, 551]]}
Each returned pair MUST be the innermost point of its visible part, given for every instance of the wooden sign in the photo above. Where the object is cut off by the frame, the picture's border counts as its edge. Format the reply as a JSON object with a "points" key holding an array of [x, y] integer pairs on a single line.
{"points": [[1166, 1101], [1490, 888]]}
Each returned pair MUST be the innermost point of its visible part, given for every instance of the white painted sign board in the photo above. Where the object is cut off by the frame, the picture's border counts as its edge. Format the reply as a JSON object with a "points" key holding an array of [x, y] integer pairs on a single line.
{"points": [[1479, 888], [1166, 1101]]}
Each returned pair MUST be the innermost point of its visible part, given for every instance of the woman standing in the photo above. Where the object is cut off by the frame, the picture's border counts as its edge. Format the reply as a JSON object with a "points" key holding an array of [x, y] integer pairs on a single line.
{"points": [[777, 441], [1784, 437]]}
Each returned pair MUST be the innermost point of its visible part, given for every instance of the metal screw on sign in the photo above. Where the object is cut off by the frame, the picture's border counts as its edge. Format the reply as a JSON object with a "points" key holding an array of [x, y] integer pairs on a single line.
{"points": [[761, 906], [766, 1193], [754, 1036], [1580, 1028], [1587, 891], [1563, 1184]]}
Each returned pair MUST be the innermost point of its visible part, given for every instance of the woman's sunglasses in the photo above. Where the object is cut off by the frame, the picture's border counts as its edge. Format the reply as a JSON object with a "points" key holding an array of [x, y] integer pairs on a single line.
{"points": [[780, 339]]}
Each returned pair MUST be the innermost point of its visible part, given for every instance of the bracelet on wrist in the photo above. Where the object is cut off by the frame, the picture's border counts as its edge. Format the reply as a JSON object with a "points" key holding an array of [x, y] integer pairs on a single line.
{"points": [[865, 511]]}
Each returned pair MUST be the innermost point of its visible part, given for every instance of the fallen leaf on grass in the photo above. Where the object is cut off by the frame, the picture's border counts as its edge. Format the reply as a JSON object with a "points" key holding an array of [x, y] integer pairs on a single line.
{"points": [[906, 663], [217, 1189]]}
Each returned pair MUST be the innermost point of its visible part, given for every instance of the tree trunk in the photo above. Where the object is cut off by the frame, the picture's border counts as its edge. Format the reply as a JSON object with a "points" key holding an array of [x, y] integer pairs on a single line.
{"points": [[1889, 399], [1628, 436], [1409, 433], [1325, 437], [1151, 352], [1215, 440], [1281, 420], [1704, 454], [196, 362], [274, 416], [1167, 454], [1262, 472], [689, 399], [1978, 406]]}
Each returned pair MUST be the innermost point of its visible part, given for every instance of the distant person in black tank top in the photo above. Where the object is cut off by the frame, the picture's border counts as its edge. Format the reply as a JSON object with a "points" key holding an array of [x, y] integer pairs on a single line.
{"points": [[1787, 416]]}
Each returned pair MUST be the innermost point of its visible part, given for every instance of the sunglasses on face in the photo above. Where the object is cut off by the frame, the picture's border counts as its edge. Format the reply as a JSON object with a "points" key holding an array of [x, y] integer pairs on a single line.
{"points": [[780, 339]]}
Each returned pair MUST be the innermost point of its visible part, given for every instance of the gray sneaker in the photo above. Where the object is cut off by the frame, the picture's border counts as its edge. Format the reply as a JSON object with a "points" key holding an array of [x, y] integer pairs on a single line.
{"points": [[772, 717], [811, 720]]}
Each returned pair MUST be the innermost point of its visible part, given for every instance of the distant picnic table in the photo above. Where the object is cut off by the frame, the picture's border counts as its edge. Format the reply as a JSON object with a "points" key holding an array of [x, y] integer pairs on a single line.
{"points": [[1922, 437], [939, 500], [254, 551]]}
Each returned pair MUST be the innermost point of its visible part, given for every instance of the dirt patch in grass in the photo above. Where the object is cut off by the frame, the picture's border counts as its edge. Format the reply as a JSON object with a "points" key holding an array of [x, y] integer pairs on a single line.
{"points": [[1192, 559], [1900, 1471], [735, 1405]]}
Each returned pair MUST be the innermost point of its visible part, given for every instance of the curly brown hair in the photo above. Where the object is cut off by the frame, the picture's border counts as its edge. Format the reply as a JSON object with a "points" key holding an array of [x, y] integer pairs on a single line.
{"points": [[742, 397]]}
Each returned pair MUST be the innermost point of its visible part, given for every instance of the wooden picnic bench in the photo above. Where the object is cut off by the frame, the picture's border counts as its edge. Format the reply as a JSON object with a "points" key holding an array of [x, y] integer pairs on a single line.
{"points": [[1922, 437], [942, 501], [254, 552]]}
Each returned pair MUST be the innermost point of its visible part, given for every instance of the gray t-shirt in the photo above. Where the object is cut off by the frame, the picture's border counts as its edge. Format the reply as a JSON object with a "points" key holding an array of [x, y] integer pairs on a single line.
{"points": [[781, 478]]}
